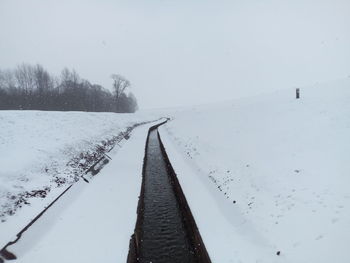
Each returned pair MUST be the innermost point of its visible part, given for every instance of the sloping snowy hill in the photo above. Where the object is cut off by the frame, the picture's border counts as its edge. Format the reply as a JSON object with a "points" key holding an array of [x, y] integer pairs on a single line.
{"points": [[277, 168], [41, 152]]}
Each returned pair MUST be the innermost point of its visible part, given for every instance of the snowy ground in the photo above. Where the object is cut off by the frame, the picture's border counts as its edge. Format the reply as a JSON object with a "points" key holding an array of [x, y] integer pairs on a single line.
{"points": [[94, 221], [268, 174], [43, 152], [262, 175]]}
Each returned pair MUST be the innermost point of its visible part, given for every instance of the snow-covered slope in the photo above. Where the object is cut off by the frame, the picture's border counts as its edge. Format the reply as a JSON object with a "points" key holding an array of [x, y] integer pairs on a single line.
{"points": [[93, 221], [268, 174], [41, 152]]}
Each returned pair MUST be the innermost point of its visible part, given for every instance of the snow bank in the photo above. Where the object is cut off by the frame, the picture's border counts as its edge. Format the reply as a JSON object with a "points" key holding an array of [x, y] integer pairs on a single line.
{"points": [[94, 221], [268, 174], [37, 149]]}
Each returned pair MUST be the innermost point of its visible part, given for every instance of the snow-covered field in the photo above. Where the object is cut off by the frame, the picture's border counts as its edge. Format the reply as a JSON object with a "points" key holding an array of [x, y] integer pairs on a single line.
{"points": [[44, 152], [268, 174], [266, 177], [93, 221]]}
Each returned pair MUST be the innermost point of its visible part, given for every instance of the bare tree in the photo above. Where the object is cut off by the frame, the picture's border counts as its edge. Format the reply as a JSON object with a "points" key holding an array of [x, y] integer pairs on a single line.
{"points": [[119, 86], [24, 75], [42, 78], [25, 80], [8, 80], [69, 79]]}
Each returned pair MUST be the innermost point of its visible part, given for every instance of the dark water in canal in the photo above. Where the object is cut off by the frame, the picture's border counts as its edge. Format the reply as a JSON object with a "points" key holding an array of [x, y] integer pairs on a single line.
{"points": [[163, 232]]}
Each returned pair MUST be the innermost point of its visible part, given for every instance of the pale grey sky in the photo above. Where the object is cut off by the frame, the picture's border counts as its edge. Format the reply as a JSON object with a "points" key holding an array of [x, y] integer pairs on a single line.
{"points": [[182, 52]]}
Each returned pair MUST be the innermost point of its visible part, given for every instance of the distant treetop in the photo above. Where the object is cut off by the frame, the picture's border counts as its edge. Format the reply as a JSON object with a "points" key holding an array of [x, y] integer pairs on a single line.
{"points": [[29, 87]]}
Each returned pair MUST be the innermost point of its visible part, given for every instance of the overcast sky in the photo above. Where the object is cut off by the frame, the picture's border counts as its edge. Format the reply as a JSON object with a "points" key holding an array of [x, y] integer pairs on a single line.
{"points": [[182, 52]]}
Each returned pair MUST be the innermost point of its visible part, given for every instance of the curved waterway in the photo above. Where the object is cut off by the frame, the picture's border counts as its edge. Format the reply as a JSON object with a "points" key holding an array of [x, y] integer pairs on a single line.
{"points": [[163, 235]]}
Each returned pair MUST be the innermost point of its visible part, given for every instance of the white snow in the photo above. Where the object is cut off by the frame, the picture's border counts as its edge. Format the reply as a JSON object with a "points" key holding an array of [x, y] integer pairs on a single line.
{"points": [[268, 173], [35, 148], [261, 175], [92, 222]]}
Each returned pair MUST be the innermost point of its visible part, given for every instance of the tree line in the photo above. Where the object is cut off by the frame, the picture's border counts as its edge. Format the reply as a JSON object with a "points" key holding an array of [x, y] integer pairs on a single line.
{"points": [[32, 87]]}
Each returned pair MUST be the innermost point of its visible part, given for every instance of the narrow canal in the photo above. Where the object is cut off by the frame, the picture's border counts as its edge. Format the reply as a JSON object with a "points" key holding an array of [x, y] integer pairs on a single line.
{"points": [[164, 236]]}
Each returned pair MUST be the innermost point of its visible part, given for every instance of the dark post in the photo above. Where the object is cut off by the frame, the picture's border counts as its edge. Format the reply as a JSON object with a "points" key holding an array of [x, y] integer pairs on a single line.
{"points": [[297, 93]]}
